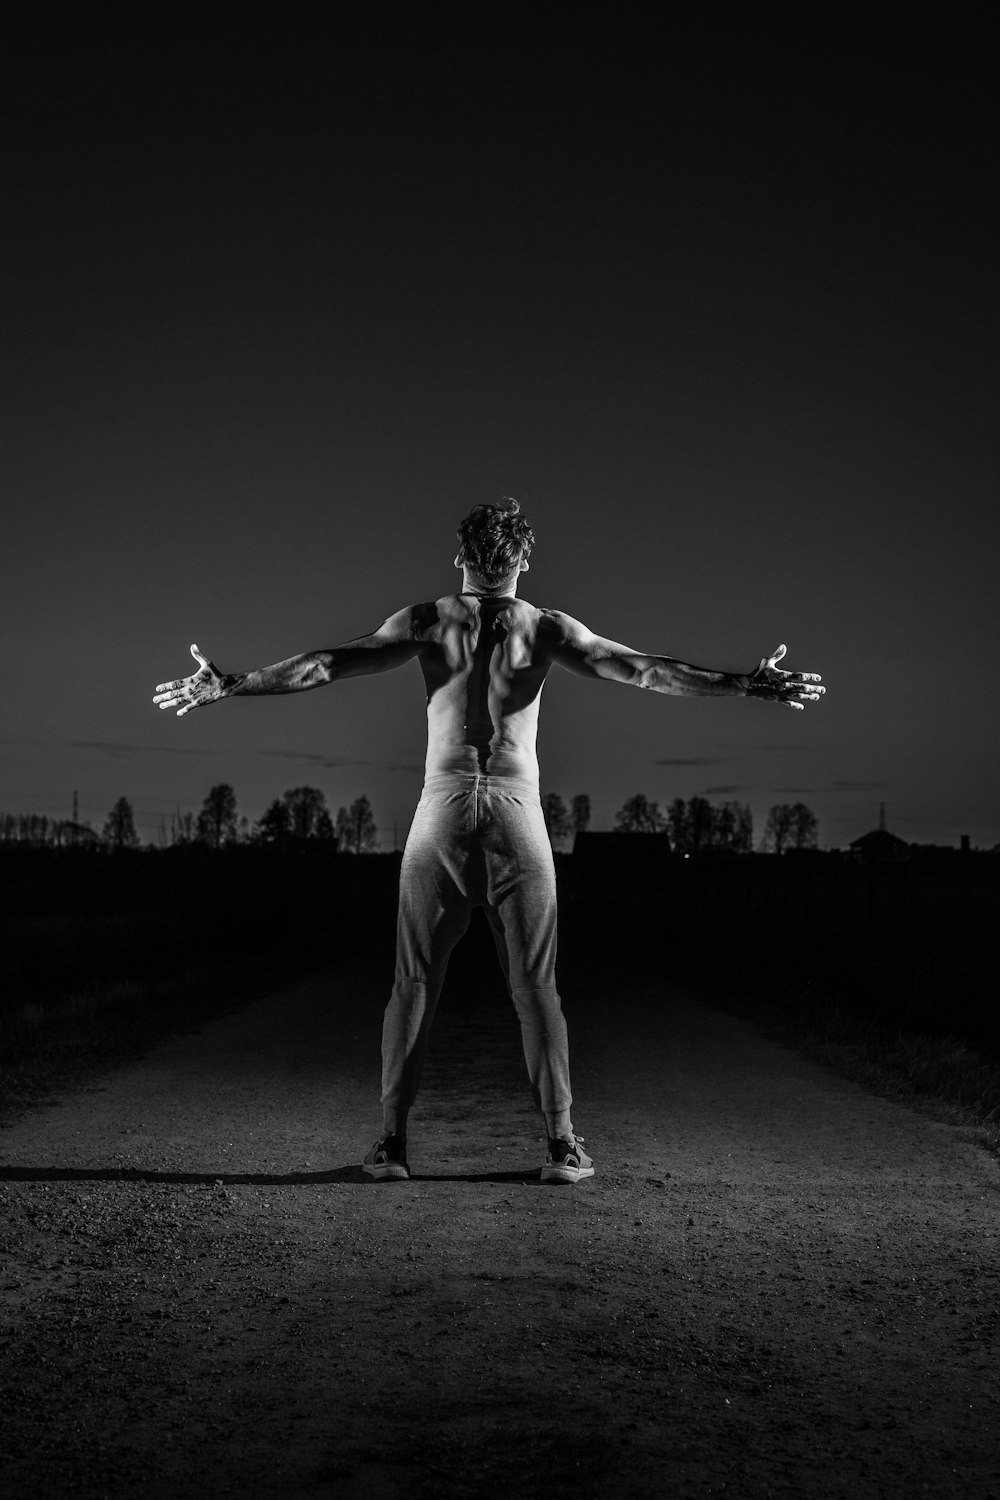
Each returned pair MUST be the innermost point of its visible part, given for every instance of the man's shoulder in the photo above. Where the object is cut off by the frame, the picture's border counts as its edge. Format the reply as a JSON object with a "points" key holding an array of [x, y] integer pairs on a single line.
{"points": [[549, 626], [555, 624], [429, 619], [543, 623]]}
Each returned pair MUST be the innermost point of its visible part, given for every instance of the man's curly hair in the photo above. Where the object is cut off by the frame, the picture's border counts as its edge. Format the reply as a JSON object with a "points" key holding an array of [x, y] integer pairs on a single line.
{"points": [[494, 538]]}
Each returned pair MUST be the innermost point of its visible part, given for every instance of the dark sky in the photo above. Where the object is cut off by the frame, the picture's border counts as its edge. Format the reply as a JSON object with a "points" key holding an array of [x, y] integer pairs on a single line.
{"points": [[286, 295]]}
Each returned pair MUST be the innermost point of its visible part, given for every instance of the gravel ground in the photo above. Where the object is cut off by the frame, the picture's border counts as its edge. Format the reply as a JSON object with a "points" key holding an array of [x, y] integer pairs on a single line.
{"points": [[776, 1284]]}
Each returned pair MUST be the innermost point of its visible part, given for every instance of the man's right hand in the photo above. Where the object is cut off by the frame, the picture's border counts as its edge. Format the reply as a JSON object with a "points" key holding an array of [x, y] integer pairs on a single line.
{"points": [[204, 686]]}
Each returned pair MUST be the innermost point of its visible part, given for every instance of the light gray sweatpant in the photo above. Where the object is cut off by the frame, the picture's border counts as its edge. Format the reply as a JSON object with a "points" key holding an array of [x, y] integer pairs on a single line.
{"points": [[476, 841]]}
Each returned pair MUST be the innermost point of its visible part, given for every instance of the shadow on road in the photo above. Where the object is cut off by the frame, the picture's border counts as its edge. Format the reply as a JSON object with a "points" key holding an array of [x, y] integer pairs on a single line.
{"points": [[348, 1174]]}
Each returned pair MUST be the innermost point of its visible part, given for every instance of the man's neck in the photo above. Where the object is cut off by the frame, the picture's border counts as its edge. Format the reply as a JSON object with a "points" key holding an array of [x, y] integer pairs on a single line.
{"points": [[505, 589]]}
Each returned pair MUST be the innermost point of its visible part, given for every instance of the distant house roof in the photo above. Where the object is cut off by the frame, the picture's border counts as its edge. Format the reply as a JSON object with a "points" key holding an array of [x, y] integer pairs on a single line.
{"points": [[880, 844]]}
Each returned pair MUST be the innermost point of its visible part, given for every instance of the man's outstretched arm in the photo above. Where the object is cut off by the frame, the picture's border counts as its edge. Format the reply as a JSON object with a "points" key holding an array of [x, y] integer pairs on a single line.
{"points": [[576, 647], [392, 644]]}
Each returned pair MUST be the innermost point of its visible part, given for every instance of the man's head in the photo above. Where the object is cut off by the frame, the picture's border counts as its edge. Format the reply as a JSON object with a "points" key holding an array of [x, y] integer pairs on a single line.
{"points": [[494, 542]]}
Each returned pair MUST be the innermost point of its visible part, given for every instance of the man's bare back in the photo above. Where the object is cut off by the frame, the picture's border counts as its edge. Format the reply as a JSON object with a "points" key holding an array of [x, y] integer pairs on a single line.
{"points": [[484, 665]]}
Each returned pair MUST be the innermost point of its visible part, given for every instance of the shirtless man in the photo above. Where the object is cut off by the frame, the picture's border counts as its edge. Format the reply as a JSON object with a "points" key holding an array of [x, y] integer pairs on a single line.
{"points": [[478, 836]]}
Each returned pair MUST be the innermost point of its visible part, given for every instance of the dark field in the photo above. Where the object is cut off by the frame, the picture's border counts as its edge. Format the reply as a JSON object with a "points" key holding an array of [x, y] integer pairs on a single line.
{"points": [[76, 918], [104, 954], [912, 946]]}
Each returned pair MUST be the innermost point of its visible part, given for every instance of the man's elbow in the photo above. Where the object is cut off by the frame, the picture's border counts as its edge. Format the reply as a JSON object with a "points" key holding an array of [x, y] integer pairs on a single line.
{"points": [[320, 670]]}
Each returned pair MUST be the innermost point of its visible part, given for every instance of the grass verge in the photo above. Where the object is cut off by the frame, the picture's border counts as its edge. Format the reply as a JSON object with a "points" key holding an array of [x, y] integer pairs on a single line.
{"points": [[49, 1049], [943, 1075]]}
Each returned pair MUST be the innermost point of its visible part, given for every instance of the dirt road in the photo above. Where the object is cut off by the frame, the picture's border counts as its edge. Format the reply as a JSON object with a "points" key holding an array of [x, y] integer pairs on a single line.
{"points": [[775, 1285]]}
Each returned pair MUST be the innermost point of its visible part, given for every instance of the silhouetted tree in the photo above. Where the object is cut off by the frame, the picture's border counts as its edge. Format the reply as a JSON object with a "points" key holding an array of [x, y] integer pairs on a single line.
{"points": [[723, 826], [697, 826], [301, 813], [778, 827], [309, 816], [701, 825], [738, 824], [791, 826], [581, 812], [639, 815], [183, 830], [217, 819], [119, 829], [343, 831], [274, 824], [356, 832], [677, 823], [805, 828], [38, 829], [558, 823]]}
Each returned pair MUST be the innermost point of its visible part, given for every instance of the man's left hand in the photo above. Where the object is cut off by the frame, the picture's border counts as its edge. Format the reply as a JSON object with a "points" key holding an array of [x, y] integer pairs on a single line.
{"points": [[794, 689]]}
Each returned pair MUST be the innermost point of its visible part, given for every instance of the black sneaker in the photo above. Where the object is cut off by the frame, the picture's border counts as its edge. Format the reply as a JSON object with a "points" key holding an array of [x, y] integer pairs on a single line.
{"points": [[387, 1159], [567, 1161]]}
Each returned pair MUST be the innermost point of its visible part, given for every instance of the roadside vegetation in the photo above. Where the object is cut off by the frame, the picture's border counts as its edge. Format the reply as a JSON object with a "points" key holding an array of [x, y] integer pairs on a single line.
{"points": [[887, 971]]}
